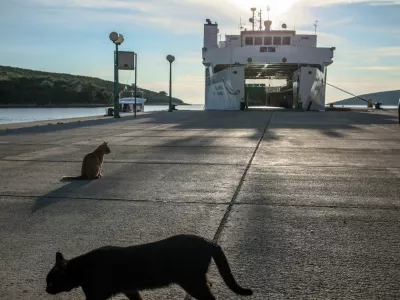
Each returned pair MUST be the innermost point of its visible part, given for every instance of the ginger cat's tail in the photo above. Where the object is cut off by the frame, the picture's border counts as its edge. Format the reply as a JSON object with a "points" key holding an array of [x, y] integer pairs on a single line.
{"points": [[80, 177]]}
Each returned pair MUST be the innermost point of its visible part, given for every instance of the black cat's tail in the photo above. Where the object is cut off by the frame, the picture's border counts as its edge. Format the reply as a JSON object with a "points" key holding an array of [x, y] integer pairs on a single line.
{"points": [[226, 273], [80, 177]]}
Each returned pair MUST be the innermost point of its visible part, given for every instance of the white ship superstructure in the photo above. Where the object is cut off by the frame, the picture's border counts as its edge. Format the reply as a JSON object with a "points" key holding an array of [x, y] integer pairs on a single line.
{"points": [[264, 54]]}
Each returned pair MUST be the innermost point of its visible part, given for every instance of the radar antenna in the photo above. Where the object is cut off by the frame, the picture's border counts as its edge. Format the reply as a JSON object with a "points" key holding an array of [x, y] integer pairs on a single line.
{"points": [[260, 20], [241, 25], [267, 23]]}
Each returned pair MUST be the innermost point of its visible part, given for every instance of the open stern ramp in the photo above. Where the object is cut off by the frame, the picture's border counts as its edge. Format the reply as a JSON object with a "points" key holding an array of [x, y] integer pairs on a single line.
{"points": [[264, 54]]}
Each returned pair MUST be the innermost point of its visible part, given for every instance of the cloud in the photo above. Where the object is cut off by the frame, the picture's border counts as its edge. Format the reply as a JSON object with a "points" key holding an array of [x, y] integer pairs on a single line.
{"points": [[174, 25], [386, 51], [179, 17], [341, 2], [378, 68], [337, 22], [324, 38]]}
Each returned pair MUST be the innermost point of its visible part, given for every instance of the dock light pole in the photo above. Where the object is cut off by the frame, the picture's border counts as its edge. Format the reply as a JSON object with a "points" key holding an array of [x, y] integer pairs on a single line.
{"points": [[136, 81], [170, 58], [117, 39]]}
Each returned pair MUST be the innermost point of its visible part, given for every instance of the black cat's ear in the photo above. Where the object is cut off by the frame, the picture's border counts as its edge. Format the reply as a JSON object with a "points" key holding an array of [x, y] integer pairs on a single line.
{"points": [[60, 260]]}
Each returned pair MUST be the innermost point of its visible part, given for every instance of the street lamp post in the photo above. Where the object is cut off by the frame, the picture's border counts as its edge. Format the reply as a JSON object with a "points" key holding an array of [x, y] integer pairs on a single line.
{"points": [[170, 58], [135, 80], [117, 39]]}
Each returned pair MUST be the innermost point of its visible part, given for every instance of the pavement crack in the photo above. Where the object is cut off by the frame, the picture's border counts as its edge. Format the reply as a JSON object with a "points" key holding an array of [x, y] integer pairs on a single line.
{"points": [[117, 199], [322, 206], [149, 162], [238, 188]]}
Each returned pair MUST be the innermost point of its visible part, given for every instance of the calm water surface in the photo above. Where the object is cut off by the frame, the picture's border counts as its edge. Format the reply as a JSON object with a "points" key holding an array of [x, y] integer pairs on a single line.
{"points": [[21, 115]]}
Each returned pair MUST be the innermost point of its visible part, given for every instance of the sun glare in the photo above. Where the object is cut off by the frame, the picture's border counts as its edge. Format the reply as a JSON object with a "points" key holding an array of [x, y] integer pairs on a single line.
{"points": [[277, 7]]}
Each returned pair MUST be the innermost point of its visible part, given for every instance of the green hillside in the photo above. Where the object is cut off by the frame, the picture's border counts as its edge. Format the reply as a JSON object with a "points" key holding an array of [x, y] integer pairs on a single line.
{"points": [[23, 87]]}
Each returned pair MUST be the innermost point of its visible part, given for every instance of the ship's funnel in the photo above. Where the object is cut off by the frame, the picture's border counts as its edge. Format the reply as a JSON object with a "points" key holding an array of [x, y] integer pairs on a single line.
{"points": [[267, 25]]}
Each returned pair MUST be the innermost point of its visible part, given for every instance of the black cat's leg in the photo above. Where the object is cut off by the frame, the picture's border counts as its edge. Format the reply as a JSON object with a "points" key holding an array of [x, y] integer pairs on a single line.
{"points": [[91, 294], [133, 295], [198, 289]]}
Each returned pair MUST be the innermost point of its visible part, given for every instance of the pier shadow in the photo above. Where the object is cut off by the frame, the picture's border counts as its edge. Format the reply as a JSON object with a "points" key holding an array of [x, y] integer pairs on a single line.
{"points": [[191, 120], [325, 122]]}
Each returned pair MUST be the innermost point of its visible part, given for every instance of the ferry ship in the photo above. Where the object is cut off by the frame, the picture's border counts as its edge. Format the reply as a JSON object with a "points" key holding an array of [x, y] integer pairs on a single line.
{"points": [[264, 54]]}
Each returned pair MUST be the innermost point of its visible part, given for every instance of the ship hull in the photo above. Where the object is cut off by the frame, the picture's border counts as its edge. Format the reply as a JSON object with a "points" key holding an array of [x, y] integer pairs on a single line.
{"points": [[224, 90]]}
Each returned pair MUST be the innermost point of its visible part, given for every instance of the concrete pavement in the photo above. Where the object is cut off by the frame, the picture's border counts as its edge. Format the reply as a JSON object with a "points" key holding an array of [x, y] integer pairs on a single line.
{"points": [[306, 205]]}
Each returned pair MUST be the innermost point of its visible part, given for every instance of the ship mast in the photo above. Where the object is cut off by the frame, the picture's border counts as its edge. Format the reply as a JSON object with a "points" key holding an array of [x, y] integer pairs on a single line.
{"points": [[241, 25], [253, 20], [315, 25], [253, 9]]}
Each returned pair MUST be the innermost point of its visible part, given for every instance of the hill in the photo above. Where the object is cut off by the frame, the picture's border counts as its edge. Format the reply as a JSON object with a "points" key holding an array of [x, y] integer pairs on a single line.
{"points": [[388, 98], [23, 87]]}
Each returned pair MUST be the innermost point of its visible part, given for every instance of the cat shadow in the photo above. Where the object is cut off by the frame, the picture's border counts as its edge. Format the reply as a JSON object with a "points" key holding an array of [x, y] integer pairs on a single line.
{"points": [[61, 194]]}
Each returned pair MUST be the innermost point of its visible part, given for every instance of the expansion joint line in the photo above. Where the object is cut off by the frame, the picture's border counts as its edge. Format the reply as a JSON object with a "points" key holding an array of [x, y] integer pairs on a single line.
{"points": [[238, 188]]}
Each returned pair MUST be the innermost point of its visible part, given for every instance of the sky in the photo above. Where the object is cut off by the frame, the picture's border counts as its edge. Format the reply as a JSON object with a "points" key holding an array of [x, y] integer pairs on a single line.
{"points": [[71, 36]]}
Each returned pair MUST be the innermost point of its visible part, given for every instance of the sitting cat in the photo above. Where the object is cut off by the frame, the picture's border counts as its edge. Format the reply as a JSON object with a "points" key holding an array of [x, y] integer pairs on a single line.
{"points": [[107, 271], [92, 164]]}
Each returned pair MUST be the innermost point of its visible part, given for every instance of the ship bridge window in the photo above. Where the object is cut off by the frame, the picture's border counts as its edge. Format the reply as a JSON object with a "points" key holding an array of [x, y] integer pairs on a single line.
{"points": [[267, 40], [286, 40], [267, 49], [277, 40], [258, 40], [248, 40]]}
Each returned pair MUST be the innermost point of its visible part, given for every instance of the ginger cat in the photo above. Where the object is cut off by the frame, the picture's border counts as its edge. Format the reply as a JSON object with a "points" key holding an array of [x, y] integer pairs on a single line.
{"points": [[107, 271], [92, 164]]}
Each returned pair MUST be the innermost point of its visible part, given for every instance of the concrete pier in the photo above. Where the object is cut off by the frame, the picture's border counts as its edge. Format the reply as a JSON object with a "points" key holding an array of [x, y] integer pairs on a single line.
{"points": [[306, 205]]}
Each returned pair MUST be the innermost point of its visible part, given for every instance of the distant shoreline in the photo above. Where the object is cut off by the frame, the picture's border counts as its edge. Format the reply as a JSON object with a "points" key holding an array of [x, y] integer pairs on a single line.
{"points": [[51, 106]]}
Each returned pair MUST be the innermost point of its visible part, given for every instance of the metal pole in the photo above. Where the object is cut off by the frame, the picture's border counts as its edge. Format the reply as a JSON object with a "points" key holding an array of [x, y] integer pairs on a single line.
{"points": [[135, 80], [116, 98], [253, 20], [170, 96]]}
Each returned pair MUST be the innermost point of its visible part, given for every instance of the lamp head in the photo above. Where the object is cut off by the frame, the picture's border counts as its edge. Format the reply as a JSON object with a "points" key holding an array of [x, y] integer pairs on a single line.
{"points": [[170, 58], [120, 39], [113, 36]]}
